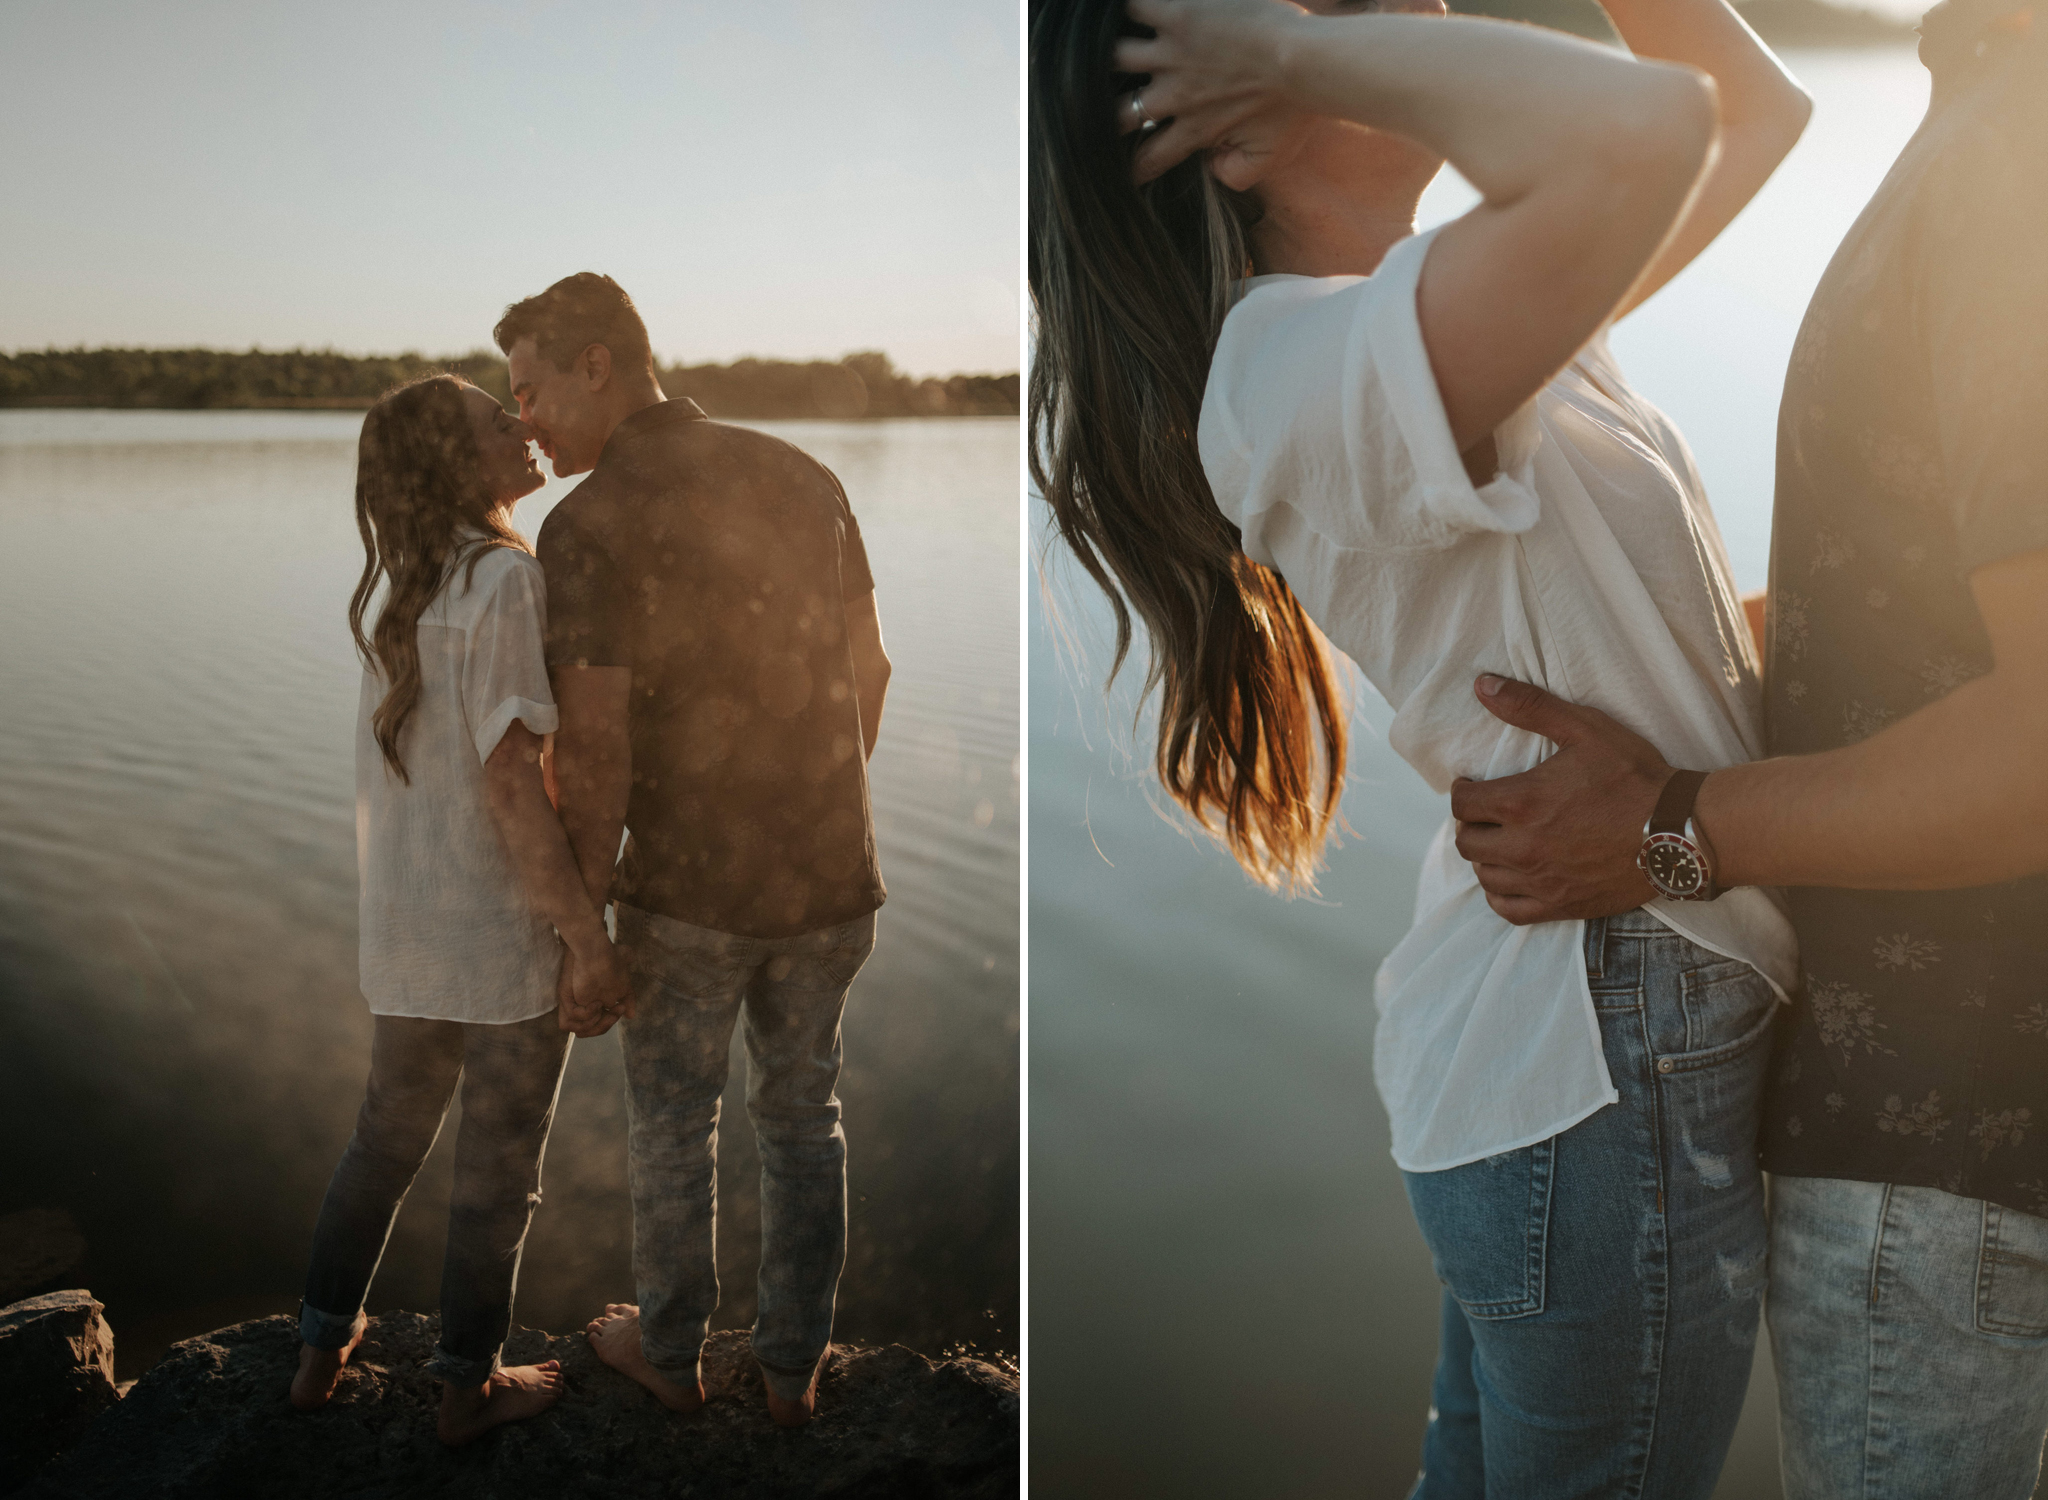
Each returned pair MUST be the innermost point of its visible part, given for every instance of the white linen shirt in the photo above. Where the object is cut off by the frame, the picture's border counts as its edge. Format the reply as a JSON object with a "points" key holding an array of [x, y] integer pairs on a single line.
{"points": [[447, 931], [1589, 565]]}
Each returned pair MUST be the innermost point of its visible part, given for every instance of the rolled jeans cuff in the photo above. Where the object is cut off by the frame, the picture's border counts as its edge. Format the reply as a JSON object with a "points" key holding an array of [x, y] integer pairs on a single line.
{"points": [[686, 1370], [456, 1370], [323, 1330], [786, 1382]]}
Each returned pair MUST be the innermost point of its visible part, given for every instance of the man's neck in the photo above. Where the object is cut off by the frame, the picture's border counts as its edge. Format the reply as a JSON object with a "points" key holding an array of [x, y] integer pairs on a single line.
{"points": [[632, 401]]}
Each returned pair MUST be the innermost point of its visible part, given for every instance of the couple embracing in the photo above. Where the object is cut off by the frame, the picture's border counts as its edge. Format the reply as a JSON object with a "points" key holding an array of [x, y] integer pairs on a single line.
{"points": [[692, 654], [1713, 900]]}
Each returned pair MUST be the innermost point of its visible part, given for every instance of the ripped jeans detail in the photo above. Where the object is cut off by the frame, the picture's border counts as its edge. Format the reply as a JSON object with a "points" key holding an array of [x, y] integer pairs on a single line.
{"points": [[1602, 1288]]}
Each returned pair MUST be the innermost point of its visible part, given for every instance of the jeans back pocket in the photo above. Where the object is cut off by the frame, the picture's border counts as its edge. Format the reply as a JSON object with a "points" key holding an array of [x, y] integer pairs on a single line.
{"points": [[2012, 1274], [1487, 1225]]}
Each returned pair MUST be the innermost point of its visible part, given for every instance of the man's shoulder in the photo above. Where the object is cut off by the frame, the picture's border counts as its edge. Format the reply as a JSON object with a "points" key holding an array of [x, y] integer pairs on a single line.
{"points": [[771, 454], [583, 517]]}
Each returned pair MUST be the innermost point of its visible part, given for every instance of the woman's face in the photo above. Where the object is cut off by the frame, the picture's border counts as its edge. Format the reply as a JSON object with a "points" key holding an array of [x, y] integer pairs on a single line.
{"points": [[508, 468]]}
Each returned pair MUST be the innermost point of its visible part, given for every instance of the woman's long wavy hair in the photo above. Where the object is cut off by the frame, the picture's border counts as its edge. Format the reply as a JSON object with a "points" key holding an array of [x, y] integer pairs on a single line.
{"points": [[422, 508], [1130, 286]]}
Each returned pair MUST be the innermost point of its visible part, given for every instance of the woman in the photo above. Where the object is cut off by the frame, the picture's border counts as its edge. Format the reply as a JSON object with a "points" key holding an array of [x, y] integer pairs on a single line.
{"points": [[1264, 413], [466, 880]]}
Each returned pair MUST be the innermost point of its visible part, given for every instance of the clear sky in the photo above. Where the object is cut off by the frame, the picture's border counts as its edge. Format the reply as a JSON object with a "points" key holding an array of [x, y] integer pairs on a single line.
{"points": [[786, 178]]}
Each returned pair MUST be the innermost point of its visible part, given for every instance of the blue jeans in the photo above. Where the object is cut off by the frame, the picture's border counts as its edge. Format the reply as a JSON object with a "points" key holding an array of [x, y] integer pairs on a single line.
{"points": [[1602, 1287], [1910, 1331], [690, 984], [510, 1076]]}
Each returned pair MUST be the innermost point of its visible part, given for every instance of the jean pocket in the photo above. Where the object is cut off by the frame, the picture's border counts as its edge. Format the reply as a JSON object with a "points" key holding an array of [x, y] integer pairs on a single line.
{"points": [[693, 962], [845, 949], [2012, 1274], [1723, 1004], [1487, 1225]]}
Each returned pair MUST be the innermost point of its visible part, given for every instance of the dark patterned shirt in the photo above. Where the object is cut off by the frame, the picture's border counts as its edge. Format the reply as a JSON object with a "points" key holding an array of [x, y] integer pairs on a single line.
{"points": [[1912, 449], [717, 563]]}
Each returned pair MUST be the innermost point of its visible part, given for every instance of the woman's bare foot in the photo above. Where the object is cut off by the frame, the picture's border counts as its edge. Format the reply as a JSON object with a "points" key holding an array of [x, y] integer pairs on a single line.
{"points": [[510, 1395], [320, 1369], [784, 1412], [616, 1338]]}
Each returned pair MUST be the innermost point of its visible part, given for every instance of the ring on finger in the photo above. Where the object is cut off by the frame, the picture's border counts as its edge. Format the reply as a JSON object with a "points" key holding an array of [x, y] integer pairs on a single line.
{"points": [[1145, 121]]}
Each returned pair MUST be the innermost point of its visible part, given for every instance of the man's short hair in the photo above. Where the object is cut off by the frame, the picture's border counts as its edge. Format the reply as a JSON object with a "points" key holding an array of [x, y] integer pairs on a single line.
{"points": [[573, 314]]}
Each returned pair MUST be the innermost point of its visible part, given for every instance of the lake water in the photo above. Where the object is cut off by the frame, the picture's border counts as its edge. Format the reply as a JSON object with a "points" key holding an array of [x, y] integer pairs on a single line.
{"points": [[1229, 1296], [182, 1045]]}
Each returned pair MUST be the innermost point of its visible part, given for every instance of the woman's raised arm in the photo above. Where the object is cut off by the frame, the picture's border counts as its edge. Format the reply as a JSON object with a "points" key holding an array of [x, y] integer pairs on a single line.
{"points": [[1584, 160], [1763, 112]]}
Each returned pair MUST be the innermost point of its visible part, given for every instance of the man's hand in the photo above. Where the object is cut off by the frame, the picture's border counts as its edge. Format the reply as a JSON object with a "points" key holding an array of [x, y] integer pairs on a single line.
{"points": [[1560, 841], [593, 996]]}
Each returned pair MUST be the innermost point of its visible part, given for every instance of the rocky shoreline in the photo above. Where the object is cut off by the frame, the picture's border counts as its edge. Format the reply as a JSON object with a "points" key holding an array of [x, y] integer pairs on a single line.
{"points": [[211, 1420]]}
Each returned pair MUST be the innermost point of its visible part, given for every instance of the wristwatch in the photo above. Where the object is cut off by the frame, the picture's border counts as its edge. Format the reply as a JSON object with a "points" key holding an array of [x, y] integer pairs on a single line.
{"points": [[1675, 854]]}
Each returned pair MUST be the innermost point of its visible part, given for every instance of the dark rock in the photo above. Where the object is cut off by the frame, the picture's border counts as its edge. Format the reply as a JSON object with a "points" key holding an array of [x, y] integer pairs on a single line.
{"points": [[56, 1375], [212, 1421]]}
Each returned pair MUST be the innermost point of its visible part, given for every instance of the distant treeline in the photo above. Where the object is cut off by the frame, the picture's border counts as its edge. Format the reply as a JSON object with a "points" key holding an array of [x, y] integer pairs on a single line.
{"points": [[860, 385], [1782, 23]]}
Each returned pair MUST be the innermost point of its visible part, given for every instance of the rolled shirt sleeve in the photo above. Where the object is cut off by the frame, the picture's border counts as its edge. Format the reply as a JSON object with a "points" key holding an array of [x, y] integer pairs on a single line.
{"points": [[855, 577], [1322, 409], [504, 667]]}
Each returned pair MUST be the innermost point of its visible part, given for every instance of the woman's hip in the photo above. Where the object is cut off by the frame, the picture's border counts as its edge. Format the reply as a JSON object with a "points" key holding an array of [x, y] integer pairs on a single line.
{"points": [[1623, 1261]]}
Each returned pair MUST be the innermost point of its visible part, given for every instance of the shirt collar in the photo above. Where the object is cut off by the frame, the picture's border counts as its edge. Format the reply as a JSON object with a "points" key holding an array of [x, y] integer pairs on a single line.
{"points": [[649, 420]]}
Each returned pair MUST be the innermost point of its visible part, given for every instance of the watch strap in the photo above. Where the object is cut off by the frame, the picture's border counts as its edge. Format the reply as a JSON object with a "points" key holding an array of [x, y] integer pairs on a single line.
{"points": [[1674, 804]]}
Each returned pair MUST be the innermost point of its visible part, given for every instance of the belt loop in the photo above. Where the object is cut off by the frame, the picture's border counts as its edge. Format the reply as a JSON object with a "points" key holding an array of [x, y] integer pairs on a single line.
{"points": [[1596, 947]]}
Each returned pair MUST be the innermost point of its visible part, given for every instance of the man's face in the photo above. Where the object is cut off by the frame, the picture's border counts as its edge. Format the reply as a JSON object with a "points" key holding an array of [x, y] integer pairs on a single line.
{"points": [[562, 407]]}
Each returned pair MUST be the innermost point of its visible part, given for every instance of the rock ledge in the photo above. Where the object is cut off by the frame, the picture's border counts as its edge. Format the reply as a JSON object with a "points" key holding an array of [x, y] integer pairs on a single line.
{"points": [[212, 1420]]}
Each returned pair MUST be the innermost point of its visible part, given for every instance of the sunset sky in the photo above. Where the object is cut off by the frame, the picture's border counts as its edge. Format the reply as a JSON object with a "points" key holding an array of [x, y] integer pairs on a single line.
{"points": [[788, 178]]}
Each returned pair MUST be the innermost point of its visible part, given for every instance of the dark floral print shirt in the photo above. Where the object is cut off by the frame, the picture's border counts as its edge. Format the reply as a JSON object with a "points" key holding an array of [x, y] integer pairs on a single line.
{"points": [[1912, 449], [717, 563]]}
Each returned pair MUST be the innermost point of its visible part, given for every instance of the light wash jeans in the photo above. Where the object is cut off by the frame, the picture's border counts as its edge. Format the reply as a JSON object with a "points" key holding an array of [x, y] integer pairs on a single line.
{"points": [[510, 1076], [690, 984], [1910, 1331], [1602, 1287]]}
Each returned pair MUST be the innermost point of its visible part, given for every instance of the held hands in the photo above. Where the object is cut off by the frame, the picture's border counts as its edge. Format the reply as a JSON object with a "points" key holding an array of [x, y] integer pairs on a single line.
{"points": [[1560, 841], [1215, 86], [594, 991]]}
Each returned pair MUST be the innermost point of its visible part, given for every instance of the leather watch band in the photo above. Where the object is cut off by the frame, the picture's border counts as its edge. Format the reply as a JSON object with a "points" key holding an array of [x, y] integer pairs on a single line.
{"points": [[1674, 804]]}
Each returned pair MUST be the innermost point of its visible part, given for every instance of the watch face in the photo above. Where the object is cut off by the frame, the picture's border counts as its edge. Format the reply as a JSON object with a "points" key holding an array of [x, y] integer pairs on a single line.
{"points": [[1673, 865]]}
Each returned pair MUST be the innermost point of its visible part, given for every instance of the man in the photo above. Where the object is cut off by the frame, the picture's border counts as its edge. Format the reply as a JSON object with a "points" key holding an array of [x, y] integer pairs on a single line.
{"points": [[718, 665], [1907, 702]]}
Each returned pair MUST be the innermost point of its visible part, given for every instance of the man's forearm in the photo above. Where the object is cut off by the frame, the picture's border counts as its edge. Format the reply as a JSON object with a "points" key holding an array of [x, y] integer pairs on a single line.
{"points": [[1953, 795], [593, 768], [872, 687], [593, 784]]}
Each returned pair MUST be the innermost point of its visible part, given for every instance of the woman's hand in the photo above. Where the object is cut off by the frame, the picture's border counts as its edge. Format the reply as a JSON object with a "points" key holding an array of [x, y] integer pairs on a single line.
{"points": [[1216, 86]]}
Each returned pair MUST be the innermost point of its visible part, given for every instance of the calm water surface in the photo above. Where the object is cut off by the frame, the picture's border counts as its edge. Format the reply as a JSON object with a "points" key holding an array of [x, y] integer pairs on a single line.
{"points": [[182, 1045], [1229, 1294]]}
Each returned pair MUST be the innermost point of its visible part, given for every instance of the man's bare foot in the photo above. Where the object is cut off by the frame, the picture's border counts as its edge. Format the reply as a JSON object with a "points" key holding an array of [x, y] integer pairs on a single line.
{"points": [[320, 1369], [784, 1412], [616, 1338], [510, 1395]]}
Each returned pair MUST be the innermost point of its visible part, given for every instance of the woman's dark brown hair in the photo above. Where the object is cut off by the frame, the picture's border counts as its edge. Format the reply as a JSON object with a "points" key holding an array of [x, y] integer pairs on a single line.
{"points": [[1130, 286], [422, 508]]}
